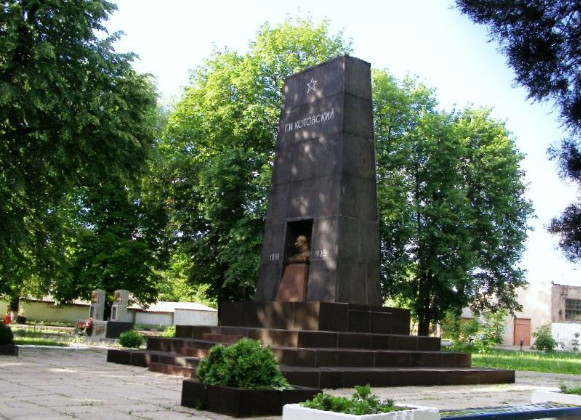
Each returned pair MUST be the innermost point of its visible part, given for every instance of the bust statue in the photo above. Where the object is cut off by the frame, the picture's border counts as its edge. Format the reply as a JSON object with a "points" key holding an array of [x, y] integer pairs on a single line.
{"points": [[303, 254]]}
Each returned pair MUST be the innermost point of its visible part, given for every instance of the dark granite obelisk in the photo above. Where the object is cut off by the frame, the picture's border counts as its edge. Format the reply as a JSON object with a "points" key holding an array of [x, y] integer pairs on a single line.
{"points": [[324, 186]]}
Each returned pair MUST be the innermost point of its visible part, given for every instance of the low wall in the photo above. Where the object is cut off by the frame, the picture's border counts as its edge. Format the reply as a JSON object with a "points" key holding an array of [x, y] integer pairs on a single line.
{"points": [[193, 317], [152, 318], [564, 334], [48, 311]]}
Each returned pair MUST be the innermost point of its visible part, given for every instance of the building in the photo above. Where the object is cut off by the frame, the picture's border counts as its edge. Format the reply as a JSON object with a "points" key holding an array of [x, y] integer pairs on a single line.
{"points": [[546, 303]]}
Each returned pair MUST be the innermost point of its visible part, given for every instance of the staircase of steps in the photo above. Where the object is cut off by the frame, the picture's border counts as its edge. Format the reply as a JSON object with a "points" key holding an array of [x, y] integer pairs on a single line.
{"points": [[341, 355]]}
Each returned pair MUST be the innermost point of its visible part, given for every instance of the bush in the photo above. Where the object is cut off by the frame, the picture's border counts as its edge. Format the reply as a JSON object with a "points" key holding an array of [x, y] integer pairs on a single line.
{"points": [[6, 336], [169, 332], [544, 339], [362, 402], [472, 335], [131, 338], [245, 364]]}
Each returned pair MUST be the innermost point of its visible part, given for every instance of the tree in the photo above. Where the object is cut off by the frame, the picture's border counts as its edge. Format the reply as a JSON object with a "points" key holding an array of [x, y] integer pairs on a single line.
{"points": [[118, 244], [542, 40], [218, 149], [72, 111], [453, 216]]}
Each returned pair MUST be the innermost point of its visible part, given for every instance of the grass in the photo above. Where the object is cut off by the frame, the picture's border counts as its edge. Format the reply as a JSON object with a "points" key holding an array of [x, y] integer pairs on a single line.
{"points": [[574, 390], [44, 336], [39, 341], [554, 362]]}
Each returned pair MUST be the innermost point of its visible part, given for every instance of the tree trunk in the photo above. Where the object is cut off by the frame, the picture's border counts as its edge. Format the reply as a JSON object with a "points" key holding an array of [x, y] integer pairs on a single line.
{"points": [[14, 304], [424, 326]]}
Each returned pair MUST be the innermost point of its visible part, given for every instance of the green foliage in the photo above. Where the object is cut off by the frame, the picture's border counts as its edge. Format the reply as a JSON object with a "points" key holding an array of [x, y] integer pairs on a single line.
{"points": [[169, 332], [575, 390], [540, 39], [551, 362], [73, 113], [472, 335], [245, 364], [6, 335], [453, 212], [119, 243], [131, 339], [544, 339], [361, 403]]}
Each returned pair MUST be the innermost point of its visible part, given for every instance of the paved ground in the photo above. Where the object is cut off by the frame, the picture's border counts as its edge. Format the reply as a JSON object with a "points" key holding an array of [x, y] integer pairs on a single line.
{"points": [[60, 383]]}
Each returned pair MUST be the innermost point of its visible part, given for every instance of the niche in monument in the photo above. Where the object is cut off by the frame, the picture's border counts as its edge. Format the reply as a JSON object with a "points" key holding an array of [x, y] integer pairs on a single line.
{"points": [[324, 188], [295, 276]]}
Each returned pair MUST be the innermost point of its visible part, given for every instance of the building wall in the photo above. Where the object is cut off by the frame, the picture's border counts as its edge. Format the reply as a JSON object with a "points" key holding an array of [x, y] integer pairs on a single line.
{"points": [[48, 311], [564, 333], [560, 294], [536, 302], [191, 317], [153, 318]]}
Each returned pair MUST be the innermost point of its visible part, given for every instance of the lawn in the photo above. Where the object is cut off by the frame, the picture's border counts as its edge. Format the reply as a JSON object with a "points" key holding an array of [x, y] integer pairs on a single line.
{"points": [[44, 336], [554, 362]]}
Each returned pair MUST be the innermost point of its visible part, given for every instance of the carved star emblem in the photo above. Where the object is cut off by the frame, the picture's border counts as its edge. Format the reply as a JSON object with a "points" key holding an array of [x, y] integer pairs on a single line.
{"points": [[312, 85]]}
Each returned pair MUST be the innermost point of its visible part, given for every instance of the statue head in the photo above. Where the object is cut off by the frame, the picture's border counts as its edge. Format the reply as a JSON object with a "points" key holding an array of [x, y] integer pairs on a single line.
{"points": [[302, 243]]}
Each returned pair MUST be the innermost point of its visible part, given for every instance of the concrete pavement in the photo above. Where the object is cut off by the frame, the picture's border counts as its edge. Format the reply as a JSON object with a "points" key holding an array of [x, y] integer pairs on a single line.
{"points": [[67, 383]]}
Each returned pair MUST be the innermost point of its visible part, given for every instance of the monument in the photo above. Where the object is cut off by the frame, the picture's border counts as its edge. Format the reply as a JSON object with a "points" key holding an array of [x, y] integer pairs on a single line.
{"points": [[318, 300], [97, 308], [324, 189], [119, 311]]}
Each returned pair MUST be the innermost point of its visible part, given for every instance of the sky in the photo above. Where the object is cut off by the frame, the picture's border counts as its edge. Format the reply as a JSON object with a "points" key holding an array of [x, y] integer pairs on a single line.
{"points": [[427, 39]]}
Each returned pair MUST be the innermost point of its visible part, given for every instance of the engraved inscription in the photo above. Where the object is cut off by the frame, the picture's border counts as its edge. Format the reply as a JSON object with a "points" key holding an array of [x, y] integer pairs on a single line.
{"points": [[321, 253], [312, 120]]}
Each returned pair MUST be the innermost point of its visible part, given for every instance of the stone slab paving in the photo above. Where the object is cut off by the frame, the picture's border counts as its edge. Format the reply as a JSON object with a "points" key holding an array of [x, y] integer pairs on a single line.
{"points": [[65, 383]]}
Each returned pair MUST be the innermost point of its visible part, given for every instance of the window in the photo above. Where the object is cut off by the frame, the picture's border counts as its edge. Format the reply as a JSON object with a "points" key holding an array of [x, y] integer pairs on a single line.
{"points": [[572, 310]]}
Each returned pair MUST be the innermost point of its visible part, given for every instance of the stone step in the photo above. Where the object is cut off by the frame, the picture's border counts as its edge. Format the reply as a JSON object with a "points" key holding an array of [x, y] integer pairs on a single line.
{"points": [[221, 338], [306, 357], [170, 369], [144, 358], [369, 358], [309, 339], [195, 352], [348, 377]]}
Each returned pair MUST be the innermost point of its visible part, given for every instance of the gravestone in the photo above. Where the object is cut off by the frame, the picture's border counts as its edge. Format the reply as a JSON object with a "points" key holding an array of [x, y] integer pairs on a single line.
{"points": [[119, 311], [324, 188], [97, 308]]}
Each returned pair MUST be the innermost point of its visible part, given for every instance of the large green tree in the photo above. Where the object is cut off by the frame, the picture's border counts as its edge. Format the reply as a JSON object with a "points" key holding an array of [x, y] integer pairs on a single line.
{"points": [[72, 112], [453, 216], [218, 147], [542, 42]]}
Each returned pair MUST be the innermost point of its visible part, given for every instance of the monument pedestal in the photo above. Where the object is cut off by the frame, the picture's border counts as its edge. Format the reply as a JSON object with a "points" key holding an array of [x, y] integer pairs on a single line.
{"points": [[293, 286]]}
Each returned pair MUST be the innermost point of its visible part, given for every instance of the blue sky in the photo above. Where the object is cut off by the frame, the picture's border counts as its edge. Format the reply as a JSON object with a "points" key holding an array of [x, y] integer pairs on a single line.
{"points": [[424, 38]]}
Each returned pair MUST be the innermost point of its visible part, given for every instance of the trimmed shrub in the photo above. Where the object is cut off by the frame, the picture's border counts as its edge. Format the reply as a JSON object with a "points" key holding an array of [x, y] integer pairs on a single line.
{"points": [[245, 364], [6, 336], [131, 338]]}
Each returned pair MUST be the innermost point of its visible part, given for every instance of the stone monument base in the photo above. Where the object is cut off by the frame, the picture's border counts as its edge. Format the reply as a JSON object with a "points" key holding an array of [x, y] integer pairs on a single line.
{"points": [[320, 345], [110, 329], [293, 286]]}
